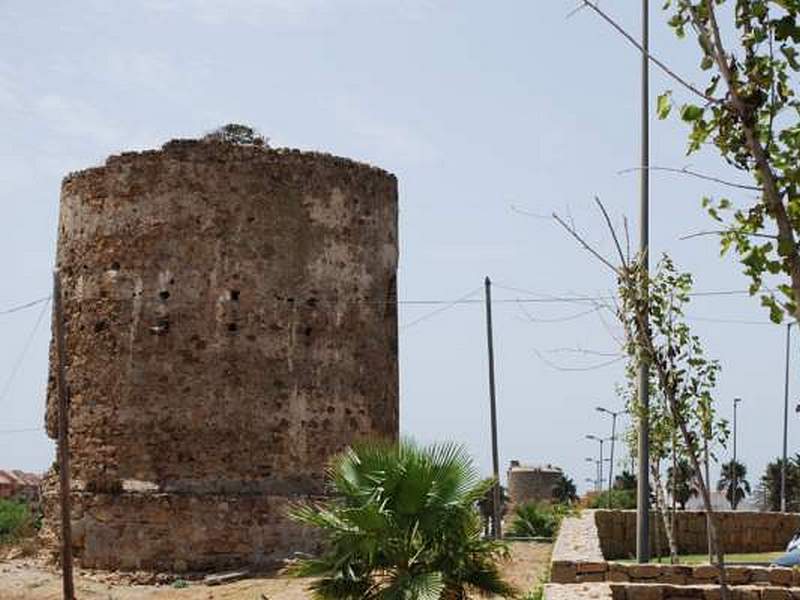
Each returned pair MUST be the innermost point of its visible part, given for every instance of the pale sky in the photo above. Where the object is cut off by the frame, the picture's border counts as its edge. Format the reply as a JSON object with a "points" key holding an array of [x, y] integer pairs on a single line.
{"points": [[482, 110]]}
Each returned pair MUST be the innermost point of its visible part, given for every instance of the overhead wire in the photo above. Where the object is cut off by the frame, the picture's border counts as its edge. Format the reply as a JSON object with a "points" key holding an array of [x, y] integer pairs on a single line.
{"points": [[26, 346], [20, 307]]}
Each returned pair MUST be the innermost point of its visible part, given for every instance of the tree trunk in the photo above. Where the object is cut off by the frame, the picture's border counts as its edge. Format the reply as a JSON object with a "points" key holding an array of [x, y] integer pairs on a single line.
{"points": [[666, 518]]}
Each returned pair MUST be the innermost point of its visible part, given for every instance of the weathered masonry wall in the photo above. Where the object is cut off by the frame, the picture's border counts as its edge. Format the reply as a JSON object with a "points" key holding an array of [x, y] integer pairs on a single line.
{"points": [[231, 323], [583, 567], [739, 531], [531, 484]]}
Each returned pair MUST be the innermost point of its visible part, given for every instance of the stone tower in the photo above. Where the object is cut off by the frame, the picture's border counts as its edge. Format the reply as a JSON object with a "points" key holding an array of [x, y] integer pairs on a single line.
{"points": [[230, 315]]}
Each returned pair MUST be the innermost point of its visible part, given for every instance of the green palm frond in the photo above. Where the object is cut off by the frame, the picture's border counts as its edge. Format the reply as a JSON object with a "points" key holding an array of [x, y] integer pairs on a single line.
{"points": [[403, 525], [414, 586]]}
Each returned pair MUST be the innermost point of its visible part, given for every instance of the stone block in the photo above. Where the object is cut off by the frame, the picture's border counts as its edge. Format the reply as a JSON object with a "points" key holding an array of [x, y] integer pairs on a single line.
{"points": [[705, 573], [563, 572], [590, 577], [591, 567], [780, 576], [737, 575]]}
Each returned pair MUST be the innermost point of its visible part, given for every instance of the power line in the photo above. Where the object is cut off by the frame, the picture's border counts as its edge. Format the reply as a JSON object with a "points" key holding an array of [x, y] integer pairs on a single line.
{"points": [[20, 307], [23, 430], [442, 309], [26, 346]]}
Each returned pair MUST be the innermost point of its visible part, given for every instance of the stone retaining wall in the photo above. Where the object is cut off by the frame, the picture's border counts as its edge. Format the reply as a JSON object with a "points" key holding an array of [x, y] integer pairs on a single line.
{"points": [[739, 532], [581, 552]]}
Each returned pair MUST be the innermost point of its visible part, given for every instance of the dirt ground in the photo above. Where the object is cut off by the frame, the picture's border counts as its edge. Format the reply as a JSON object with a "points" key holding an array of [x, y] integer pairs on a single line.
{"points": [[25, 579]]}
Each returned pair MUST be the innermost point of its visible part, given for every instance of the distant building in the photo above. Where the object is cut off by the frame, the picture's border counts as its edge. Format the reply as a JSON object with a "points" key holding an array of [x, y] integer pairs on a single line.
{"points": [[19, 485], [531, 483]]}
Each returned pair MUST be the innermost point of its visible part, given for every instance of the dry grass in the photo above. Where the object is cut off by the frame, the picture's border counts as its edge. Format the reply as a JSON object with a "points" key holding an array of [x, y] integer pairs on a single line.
{"points": [[30, 580]]}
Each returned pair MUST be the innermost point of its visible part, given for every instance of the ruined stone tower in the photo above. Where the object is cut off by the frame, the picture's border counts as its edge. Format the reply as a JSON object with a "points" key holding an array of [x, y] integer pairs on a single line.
{"points": [[230, 323]]}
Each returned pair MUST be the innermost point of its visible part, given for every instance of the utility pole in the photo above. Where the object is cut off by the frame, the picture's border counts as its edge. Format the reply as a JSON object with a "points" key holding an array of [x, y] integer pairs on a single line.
{"points": [[497, 529], [63, 441], [643, 487], [785, 417]]}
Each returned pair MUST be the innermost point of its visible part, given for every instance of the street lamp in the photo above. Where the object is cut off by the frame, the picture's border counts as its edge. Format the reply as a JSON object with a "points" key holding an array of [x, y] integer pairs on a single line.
{"points": [[734, 465], [594, 438], [614, 415], [785, 417], [596, 463]]}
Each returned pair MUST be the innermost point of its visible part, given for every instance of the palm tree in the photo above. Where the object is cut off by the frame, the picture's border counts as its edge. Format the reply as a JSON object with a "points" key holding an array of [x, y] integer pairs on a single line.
{"points": [[733, 482], [486, 507], [680, 482], [564, 491], [769, 489], [402, 523], [625, 481]]}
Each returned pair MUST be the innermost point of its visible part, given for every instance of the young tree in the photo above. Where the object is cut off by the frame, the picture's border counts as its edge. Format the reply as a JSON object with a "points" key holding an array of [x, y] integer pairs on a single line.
{"points": [[733, 481], [749, 111], [651, 311], [402, 523]]}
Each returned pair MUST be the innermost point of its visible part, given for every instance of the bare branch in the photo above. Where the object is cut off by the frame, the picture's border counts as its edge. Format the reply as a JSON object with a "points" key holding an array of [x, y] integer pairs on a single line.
{"points": [[723, 232], [627, 237], [650, 57], [528, 213], [578, 315], [575, 11], [687, 171], [601, 365], [585, 245], [585, 351], [613, 232]]}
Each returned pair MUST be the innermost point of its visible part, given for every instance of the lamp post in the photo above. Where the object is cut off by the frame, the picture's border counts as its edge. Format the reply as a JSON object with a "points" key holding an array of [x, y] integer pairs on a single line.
{"points": [[614, 415], [596, 464], [601, 440], [734, 464], [594, 438], [785, 417]]}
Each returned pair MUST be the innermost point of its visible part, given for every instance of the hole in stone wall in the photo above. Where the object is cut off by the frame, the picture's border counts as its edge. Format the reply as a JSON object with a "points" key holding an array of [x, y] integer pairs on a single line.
{"points": [[115, 266], [235, 295], [307, 331], [161, 327], [99, 326], [233, 327], [163, 294]]}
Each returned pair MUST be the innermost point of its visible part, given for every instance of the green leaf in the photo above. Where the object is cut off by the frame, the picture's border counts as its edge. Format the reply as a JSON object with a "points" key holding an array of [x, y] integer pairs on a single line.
{"points": [[664, 105], [691, 112]]}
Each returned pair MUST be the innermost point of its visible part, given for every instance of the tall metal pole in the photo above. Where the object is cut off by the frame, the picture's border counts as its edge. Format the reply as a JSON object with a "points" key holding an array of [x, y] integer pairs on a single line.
{"points": [[63, 441], [735, 464], [496, 525], [643, 487], [611, 464], [785, 418], [601, 465]]}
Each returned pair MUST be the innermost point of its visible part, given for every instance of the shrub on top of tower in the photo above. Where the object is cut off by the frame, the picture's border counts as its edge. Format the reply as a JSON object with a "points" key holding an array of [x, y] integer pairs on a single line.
{"points": [[236, 133]]}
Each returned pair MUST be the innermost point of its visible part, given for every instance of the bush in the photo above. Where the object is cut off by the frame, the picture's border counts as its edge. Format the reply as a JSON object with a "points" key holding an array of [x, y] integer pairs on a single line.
{"points": [[621, 499], [535, 519], [16, 520], [402, 523]]}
